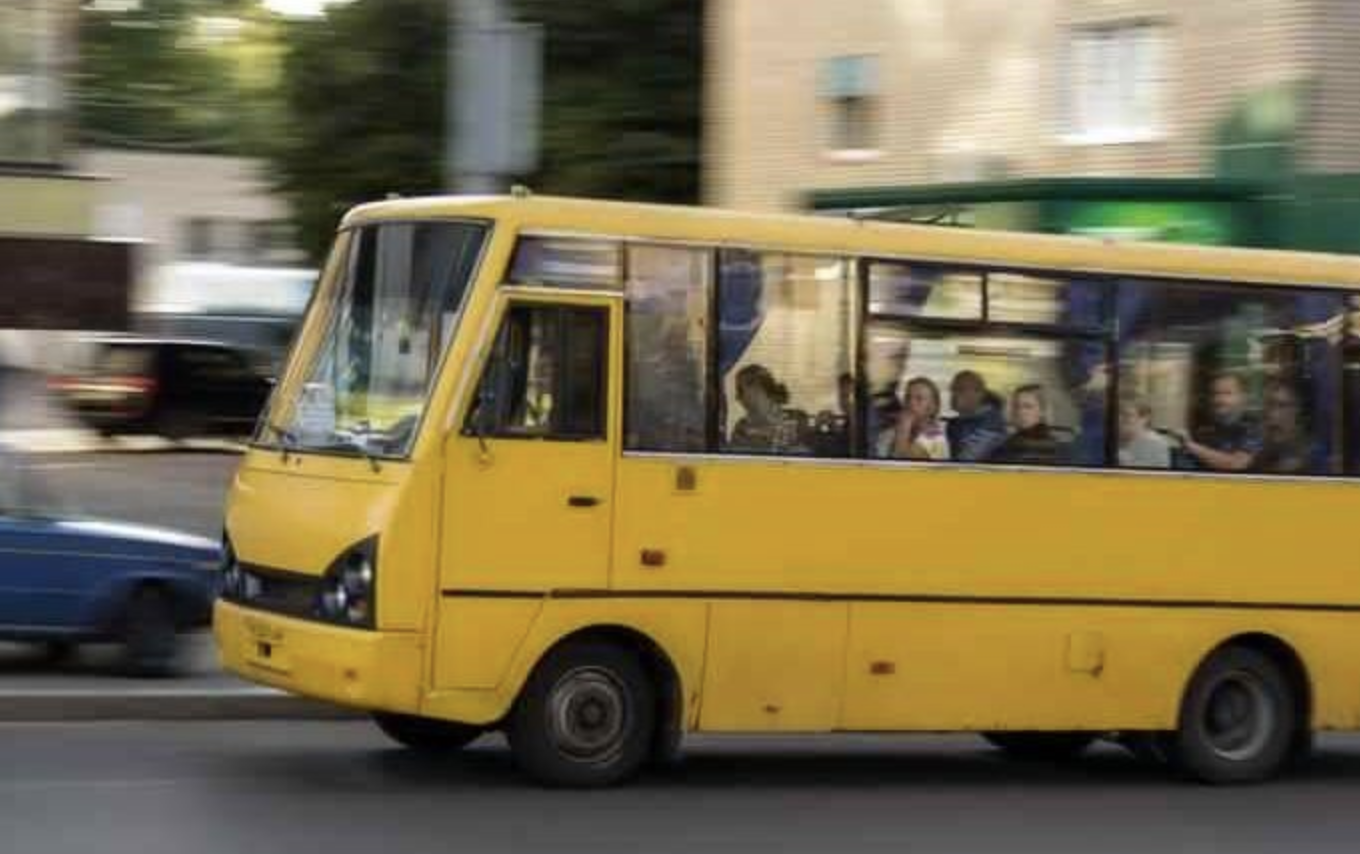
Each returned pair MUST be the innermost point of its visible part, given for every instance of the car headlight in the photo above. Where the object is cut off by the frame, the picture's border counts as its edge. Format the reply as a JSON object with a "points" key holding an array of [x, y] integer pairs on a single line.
{"points": [[347, 594]]}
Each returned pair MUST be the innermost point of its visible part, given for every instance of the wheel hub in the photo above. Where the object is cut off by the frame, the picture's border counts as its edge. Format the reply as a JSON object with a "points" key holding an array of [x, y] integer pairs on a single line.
{"points": [[1238, 716], [588, 714]]}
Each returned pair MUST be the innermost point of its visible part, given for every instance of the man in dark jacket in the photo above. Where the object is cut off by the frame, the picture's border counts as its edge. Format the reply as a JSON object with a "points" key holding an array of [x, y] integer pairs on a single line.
{"points": [[980, 426]]}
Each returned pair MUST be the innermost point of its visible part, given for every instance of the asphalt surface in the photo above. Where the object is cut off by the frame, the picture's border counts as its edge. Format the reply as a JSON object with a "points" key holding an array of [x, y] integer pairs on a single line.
{"points": [[340, 788], [175, 489]]}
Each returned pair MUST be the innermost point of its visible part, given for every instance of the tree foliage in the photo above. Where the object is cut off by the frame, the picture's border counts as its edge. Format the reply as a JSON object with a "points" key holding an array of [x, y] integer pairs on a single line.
{"points": [[622, 88], [177, 75], [363, 89]]}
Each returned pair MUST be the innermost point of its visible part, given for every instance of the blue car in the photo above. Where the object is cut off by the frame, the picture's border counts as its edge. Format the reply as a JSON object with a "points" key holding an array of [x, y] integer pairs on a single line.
{"points": [[65, 580]]}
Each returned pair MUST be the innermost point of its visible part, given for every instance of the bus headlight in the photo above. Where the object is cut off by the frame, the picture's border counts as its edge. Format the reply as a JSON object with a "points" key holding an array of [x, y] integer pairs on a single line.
{"points": [[347, 590], [232, 582]]}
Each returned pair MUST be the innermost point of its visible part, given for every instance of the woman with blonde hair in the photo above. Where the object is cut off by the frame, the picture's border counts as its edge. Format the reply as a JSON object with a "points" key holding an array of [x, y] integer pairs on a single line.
{"points": [[918, 433]]}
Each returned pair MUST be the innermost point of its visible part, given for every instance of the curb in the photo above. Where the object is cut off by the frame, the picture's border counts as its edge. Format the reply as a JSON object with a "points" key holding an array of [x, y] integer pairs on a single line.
{"points": [[170, 704]]}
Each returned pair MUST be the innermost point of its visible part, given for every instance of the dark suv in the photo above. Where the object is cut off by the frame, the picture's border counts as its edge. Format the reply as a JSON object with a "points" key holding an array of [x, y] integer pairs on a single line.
{"points": [[177, 388]]}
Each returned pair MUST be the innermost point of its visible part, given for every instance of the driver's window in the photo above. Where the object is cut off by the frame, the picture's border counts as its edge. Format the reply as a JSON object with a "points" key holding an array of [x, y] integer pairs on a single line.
{"points": [[546, 378]]}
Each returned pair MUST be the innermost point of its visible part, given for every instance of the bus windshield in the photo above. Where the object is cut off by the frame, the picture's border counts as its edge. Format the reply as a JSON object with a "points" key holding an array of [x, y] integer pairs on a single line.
{"points": [[386, 323]]}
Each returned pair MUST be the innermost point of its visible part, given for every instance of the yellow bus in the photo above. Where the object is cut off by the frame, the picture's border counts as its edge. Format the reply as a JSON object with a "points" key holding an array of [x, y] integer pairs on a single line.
{"points": [[598, 475]]}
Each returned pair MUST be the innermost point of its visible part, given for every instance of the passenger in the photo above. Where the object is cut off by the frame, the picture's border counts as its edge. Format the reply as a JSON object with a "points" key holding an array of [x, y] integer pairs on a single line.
{"points": [[1233, 438], [767, 425], [1033, 440], [918, 433], [831, 430], [1285, 448], [1139, 445], [979, 426]]}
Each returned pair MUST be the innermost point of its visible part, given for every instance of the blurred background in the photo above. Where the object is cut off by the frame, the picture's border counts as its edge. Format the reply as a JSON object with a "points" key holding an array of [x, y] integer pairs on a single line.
{"points": [[176, 167], [171, 171]]}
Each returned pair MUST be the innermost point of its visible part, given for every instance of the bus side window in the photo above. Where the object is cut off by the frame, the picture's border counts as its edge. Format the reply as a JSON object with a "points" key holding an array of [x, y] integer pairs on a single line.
{"points": [[546, 376]]}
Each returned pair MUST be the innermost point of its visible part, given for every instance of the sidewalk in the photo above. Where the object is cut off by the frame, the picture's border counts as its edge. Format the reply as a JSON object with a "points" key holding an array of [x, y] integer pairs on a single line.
{"points": [[88, 687]]}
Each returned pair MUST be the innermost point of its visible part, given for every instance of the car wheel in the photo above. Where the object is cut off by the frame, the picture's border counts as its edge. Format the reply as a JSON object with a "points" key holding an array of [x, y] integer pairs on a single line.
{"points": [[1041, 746], [149, 633], [1238, 720], [586, 718], [426, 735]]}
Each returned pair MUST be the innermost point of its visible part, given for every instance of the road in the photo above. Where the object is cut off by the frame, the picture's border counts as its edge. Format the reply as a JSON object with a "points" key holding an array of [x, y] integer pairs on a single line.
{"points": [[183, 489], [340, 788]]}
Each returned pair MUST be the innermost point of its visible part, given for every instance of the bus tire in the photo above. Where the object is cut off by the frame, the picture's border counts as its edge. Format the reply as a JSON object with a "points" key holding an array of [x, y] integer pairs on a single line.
{"points": [[1041, 746], [426, 735], [586, 718], [1238, 721]]}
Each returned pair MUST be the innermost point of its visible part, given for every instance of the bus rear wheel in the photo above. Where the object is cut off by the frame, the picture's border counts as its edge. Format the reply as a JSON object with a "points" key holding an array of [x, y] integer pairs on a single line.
{"points": [[586, 718], [426, 735], [1239, 719], [1041, 746]]}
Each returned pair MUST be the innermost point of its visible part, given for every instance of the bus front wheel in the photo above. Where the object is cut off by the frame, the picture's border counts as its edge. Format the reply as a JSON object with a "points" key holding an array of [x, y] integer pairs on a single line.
{"points": [[586, 718], [426, 735], [1239, 719]]}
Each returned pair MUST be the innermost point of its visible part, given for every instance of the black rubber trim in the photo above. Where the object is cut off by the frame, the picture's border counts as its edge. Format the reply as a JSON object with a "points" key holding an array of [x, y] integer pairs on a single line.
{"points": [[920, 599]]}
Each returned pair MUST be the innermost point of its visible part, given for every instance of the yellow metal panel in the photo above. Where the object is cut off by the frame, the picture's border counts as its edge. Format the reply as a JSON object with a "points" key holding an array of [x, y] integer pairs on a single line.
{"points": [[478, 639], [677, 628], [368, 670], [300, 514], [832, 528], [774, 666]]}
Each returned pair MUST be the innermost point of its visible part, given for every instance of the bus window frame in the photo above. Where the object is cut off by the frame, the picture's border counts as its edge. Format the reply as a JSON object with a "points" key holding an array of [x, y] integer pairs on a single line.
{"points": [[489, 227], [1110, 281]]}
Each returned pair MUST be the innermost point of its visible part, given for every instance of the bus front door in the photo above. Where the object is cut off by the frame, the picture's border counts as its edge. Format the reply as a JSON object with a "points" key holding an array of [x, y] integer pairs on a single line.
{"points": [[529, 482]]}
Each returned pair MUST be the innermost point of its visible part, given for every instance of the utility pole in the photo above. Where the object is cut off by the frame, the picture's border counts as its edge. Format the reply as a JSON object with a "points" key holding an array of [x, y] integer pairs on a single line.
{"points": [[493, 96]]}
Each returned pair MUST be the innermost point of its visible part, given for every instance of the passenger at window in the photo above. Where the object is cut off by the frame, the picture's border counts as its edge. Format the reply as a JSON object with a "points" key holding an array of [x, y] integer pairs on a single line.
{"points": [[831, 430], [918, 433], [1232, 439], [1285, 448], [979, 426], [1033, 440], [768, 426], [1139, 445]]}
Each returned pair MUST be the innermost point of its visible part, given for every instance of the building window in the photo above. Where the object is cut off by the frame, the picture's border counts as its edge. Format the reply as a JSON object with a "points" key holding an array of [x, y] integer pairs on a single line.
{"points": [[1115, 77], [850, 102]]}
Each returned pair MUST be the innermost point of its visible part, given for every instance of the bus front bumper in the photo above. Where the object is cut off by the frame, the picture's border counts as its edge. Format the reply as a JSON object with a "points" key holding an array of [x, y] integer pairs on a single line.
{"points": [[369, 670]]}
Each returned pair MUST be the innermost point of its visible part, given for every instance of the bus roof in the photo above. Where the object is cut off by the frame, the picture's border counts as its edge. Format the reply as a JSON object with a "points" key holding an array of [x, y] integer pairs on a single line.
{"points": [[860, 237]]}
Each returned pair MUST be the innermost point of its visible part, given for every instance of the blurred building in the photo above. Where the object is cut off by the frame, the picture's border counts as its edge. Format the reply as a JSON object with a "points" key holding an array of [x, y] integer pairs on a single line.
{"points": [[1219, 121], [56, 274], [229, 217], [218, 261]]}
